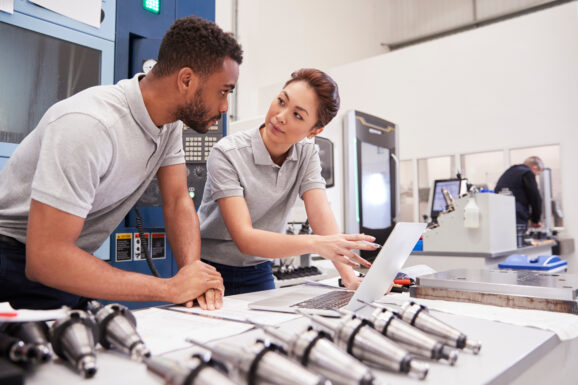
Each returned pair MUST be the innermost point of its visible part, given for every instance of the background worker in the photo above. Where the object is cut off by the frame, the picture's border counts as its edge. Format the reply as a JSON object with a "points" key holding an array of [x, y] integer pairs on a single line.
{"points": [[520, 179]]}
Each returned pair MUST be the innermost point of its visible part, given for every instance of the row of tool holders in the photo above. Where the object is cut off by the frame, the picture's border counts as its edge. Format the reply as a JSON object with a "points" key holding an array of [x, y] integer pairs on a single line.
{"points": [[342, 351]]}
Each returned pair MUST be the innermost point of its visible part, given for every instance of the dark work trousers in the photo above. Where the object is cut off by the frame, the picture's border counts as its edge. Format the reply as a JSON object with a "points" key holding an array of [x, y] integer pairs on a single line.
{"points": [[19, 290], [245, 279]]}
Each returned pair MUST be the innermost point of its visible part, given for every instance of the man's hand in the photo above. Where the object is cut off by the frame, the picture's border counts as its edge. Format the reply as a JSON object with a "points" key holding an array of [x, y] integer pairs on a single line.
{"points": [[192, 281], [211, 300], [535, 225]]}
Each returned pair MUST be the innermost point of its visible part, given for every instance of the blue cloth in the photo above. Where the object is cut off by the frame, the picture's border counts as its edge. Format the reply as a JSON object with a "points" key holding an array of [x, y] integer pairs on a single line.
{"points": [[245, 279], [23, 293]]}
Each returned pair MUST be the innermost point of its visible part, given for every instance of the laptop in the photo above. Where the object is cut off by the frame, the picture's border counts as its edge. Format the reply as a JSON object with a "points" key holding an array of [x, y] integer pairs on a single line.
{"points": [[379, 277]]}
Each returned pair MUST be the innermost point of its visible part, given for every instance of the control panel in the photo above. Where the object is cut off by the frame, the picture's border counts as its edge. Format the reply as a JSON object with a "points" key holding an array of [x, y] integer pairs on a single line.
{"points": [[197, 148]]}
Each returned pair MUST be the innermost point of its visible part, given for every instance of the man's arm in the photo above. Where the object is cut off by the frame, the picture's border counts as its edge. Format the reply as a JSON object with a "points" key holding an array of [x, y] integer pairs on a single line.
{"points": [[53, 259], [181, 220], [182, 226]]}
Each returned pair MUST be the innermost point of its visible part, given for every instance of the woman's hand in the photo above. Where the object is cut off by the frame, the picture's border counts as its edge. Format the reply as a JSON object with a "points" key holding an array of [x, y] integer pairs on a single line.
{"points": [[351, 283], [338, 248]]}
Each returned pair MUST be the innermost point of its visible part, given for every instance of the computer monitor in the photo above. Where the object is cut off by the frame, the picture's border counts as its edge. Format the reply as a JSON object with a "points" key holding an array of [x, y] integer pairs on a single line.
{"points": [[438, 202]]}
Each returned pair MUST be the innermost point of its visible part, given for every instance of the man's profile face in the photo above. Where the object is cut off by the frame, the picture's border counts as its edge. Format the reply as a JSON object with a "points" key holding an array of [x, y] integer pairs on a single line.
{"points": [[209, 101]]}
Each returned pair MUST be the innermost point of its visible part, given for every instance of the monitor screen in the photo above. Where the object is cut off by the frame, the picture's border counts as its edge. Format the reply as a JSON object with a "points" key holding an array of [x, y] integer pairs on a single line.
{"points": [[37, 71], [438, 201], [375, 187]]}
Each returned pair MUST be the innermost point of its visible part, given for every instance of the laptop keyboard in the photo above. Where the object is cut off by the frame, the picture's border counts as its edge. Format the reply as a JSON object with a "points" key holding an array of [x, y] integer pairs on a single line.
{"points": [[330, 300]]}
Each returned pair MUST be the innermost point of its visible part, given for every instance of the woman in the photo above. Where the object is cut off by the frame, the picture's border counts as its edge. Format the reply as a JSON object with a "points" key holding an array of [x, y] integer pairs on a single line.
{"points": [[254, 178]]}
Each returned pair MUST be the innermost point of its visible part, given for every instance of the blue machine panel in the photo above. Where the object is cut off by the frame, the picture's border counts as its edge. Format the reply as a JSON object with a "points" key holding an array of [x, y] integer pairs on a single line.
{"points": [[58, 31], [45, 22], [108, 18]]}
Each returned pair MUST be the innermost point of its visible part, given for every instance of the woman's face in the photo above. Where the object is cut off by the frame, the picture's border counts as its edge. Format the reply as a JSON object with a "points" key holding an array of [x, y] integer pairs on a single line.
{"points": [[292, 115]]}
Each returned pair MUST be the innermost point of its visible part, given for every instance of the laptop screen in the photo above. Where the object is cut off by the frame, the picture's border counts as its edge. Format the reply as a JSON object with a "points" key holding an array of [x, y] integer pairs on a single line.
{"points": [[387, 264]]}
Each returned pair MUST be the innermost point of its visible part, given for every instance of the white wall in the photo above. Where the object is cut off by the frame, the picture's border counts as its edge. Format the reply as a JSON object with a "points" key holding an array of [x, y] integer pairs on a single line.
{"points": [[279, 37], [510, 84]]}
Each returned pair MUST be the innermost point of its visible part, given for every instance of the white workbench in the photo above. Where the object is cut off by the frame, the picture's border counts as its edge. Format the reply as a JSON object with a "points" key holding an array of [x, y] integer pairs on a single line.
{"points": [[510, 354]]}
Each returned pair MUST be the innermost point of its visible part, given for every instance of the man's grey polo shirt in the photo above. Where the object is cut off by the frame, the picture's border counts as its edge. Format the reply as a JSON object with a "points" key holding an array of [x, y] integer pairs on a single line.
{"points": [[91, 155], [240, 165]]}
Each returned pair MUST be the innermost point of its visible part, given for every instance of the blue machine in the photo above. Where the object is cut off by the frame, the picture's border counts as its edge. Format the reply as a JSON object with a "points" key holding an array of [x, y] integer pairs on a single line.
{"points": [[543, 262]]}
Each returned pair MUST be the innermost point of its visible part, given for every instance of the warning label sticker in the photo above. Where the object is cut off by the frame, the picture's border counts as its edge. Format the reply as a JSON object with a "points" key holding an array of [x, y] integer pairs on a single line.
{"points": [[123, 247], [140, 246], [158, 242]]}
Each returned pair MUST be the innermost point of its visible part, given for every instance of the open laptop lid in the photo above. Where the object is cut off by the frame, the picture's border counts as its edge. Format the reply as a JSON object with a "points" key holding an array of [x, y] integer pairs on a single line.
{"points": [[387, 264]]}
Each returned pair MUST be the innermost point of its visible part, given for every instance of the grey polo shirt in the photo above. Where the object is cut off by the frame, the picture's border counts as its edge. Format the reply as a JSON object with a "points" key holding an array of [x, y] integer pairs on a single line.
{"points": [[240, 165], [91, 155]]}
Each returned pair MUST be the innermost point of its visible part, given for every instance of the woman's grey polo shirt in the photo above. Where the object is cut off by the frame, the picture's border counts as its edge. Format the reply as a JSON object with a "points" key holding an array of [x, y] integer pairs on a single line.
{"points": [[240, 165]]}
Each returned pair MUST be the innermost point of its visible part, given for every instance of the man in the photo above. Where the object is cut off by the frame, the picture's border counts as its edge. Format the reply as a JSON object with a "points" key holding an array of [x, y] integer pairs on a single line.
{"points": [[520, 179], [72, 180]]}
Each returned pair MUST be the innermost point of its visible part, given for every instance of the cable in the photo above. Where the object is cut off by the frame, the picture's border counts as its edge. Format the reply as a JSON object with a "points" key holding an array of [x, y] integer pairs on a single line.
{"points": [[148, 257]]}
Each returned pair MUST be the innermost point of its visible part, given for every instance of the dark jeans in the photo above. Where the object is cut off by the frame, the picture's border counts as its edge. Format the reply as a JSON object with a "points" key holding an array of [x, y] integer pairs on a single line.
{"points": [[19, 290], [245, 279]]}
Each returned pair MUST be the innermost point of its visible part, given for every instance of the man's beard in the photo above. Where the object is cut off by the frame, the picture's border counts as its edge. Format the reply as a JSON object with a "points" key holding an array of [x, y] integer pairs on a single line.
{"points": [[195, 114]]}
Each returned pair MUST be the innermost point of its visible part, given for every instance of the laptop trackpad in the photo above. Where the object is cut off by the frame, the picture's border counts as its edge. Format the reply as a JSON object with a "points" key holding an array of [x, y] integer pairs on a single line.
{"points": [[280, 303]]}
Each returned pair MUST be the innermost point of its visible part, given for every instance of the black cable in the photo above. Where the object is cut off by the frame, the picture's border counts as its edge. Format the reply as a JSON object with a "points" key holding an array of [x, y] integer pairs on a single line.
{"points": [[144, 249]]}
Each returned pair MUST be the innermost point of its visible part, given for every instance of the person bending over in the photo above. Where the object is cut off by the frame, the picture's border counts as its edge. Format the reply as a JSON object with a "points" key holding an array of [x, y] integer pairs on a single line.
{"points": [[78, 173], [254, 178]]}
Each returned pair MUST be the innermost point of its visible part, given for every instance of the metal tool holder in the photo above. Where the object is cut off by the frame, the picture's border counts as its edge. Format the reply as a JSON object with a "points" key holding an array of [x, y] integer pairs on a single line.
{"points": [[261, 364], [74, 339], [34, 334], [117, 329], [414, 340], [197, 372], [315, 350], [418, 316], [358, 338]]}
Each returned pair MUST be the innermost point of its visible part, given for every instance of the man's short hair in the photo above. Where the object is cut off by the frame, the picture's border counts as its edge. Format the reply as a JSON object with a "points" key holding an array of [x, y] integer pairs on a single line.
{"points": [[534, 161], [198, 44]]}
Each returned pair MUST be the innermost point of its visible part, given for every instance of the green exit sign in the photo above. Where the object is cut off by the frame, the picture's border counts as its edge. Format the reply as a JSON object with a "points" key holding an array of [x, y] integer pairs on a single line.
{"points": [[153, 6]]}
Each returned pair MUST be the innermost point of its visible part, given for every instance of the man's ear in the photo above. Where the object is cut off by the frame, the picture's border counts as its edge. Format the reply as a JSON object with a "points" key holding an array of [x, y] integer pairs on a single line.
{"points": [[187, 80], [314, 132]]}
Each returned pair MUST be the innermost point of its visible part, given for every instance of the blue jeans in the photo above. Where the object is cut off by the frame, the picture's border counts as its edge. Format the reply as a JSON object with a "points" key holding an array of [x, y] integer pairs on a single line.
{"points": [[245, 279], [23, 293]]}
